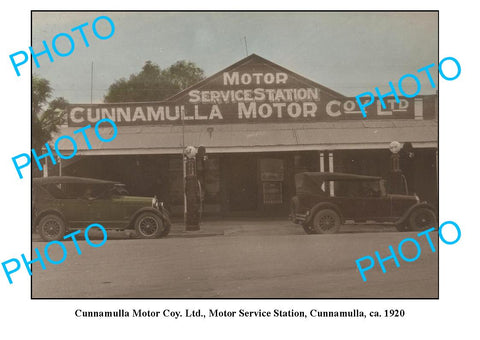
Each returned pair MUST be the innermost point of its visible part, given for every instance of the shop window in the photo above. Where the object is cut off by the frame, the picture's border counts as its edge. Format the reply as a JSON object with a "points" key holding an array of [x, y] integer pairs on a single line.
{"points": [[272, 176], [306, 161], [271, 169], [272, 193]]}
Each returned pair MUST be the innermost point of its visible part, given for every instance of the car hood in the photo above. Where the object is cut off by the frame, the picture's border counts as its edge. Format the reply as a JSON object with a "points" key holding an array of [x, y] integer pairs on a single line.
{"points": [[402, 197], [136, 199]]}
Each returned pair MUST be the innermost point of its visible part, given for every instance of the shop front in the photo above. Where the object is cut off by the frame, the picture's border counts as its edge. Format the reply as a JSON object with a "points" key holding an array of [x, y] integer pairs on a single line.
{"points": [[261, 124]]}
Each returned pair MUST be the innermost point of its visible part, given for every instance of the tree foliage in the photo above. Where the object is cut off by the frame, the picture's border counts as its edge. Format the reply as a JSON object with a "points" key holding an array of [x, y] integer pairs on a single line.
{"points": [[153, 83], [47, 115]]}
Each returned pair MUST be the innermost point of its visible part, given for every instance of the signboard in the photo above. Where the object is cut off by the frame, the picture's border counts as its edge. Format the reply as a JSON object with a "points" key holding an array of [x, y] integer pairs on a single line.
{"points": [[254, 90], [272, 193]]}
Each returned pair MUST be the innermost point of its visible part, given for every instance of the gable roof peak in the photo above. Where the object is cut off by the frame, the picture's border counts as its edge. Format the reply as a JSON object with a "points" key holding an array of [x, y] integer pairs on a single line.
{"points": [[265, 61]]}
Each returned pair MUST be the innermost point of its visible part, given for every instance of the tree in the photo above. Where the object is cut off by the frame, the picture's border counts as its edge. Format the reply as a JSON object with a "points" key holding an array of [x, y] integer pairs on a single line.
{"points": [[154, 84], [46, 116], [183, 74]]}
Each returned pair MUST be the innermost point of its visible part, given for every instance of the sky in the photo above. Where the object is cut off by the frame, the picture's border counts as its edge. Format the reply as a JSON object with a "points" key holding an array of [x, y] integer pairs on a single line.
{"points": [[349, 52]]}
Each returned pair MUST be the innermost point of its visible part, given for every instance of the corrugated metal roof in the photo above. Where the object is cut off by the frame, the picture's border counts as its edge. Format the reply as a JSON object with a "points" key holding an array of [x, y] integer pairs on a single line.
{"points": [[256, 137]]}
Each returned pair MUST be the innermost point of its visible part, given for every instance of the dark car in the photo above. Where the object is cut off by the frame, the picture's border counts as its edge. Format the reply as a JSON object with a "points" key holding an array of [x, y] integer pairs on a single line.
{"points": [[356, 197], [63, 203]]}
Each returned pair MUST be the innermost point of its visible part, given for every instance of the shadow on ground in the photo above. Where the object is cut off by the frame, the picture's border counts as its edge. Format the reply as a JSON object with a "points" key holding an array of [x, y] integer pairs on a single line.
{"points": [[237, 228]]}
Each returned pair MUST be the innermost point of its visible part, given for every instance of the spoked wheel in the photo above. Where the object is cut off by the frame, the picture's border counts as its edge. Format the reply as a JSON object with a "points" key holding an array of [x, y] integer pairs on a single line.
{"points": [[51, 227], [422, 219], [308, 229], [149, 225], [326, 221]]}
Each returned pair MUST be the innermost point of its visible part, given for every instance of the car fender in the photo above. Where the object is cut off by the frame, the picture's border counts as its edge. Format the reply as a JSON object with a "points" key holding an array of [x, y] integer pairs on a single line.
{"points": [[41, 214], [324, 205], [406, 214], [164, 218]]}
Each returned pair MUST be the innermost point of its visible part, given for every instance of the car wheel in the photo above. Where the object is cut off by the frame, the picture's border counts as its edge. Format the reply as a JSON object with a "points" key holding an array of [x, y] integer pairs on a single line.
{"points": [[149, 225], [422, 219], [326, 221], [166, 227], [51, 227], [308, 229]]}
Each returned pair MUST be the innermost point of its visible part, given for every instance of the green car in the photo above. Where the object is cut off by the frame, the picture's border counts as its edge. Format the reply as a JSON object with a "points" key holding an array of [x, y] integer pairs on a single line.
{"points": [[62, 204]]}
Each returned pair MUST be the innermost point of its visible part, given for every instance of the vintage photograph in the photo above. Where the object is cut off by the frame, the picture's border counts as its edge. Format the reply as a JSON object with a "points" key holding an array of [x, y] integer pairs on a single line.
{"points": [[235, 154]]}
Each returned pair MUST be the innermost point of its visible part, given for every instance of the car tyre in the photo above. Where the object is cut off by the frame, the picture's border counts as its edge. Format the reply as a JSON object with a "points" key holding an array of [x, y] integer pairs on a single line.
{"points": [[308, 229], [166, 227], [51, 228], [326, 221], [422, 219], [149, 225]]}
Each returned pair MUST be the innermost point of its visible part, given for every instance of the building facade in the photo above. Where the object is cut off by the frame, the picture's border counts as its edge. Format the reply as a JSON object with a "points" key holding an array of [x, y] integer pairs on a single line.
{"points": [[260, 124]]}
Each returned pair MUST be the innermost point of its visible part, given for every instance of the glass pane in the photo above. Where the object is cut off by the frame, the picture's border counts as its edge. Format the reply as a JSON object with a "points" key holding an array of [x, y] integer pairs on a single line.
{"points": [[271, 169]]}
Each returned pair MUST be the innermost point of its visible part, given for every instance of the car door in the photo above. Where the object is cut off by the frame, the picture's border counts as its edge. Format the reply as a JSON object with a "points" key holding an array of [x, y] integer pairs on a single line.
{"points": [[376, 208], [104, 209], [109, 209], [375, 204], [76, 212], [346, 198], [351, 207], [100, 210]]}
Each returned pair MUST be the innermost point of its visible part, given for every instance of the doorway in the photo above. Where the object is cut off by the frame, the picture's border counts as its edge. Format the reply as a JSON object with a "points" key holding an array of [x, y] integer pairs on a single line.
{"points": [[243, 189]]}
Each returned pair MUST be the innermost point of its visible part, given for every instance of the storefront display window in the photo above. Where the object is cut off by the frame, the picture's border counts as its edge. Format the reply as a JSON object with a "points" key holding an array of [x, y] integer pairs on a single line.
{"points": [[272, 177], [272, 193], [271, 169]]}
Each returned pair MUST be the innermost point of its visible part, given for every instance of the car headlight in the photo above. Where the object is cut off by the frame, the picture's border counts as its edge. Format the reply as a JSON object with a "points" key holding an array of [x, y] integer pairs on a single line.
{"points": [[155, 203]]}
